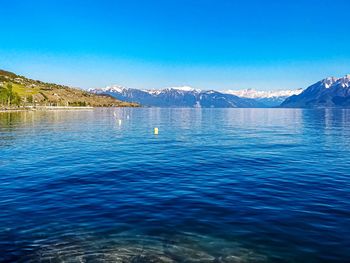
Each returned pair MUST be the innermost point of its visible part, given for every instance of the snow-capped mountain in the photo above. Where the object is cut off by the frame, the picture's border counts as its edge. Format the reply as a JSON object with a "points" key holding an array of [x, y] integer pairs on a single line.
{"points": [[259, 94], [268, 98], [178, 97], [183, 88], [329, 92]]}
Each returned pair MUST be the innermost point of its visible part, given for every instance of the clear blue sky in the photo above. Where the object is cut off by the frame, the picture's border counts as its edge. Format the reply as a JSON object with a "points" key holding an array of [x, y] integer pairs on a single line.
{"points": [[217, 44]]}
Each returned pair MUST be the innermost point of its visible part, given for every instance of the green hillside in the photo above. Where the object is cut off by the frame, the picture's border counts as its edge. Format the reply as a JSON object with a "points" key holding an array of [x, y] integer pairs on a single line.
{"points": [[19, 91]]}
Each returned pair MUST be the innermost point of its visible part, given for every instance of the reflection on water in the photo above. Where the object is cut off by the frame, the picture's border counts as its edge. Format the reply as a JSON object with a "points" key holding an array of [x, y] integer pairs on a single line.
{"points": [[216, 185]]}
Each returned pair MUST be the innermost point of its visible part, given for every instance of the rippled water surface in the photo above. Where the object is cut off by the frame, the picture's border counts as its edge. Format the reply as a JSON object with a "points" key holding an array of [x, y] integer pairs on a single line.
{"points": [[216, 185]]}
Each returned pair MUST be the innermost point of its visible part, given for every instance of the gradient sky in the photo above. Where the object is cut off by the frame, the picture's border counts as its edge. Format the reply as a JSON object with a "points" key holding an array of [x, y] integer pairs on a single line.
{"points": [[217, 44]]}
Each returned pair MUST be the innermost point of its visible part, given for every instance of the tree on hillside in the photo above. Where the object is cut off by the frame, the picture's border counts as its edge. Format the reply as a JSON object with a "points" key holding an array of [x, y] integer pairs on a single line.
{"points": [[8, 97], [3, 95]]}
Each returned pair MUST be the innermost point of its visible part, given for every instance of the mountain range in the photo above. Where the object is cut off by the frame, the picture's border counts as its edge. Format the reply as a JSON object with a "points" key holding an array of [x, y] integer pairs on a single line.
{"points": [[190, 97], [329, 92], [178, 97]]}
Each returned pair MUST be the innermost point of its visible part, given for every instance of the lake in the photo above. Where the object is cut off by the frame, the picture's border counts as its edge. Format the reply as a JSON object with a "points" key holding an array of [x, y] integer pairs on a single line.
{"points": [[215, 185]]}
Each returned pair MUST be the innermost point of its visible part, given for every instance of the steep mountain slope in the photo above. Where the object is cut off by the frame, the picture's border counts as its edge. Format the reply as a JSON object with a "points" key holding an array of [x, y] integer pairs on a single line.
{"points": [[178, 97], [17, 90], [329, 92]]}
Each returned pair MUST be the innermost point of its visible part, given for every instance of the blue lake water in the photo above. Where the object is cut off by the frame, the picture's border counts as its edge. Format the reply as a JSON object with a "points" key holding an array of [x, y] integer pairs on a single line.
{"points": [[215, 185]]}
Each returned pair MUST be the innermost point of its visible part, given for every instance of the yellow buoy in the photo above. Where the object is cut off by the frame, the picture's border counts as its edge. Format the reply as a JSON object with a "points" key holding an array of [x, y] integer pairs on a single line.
{"points": [[155, 131]]}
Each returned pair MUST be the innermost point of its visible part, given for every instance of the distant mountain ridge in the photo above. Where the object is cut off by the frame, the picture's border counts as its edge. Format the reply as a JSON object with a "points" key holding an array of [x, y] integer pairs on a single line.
{"points": [[178, 97], [268, 98], [329, 92], [259, 94], [190, 97]]}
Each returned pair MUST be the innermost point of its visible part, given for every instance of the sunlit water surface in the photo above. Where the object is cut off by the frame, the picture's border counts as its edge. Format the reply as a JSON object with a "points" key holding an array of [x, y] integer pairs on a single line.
{"points": [[216, 185]]}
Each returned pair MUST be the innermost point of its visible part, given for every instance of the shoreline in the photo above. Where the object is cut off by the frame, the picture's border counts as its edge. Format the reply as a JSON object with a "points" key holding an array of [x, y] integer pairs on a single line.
{"points": [[31, 108]]}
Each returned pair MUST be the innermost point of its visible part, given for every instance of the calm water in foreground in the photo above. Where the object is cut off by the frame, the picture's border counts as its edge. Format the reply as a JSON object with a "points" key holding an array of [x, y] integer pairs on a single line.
{"points": [[216, 185]]}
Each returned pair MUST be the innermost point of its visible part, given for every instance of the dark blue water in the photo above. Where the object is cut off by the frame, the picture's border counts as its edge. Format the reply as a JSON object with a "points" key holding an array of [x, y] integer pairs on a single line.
{"points": [[216, 185]]}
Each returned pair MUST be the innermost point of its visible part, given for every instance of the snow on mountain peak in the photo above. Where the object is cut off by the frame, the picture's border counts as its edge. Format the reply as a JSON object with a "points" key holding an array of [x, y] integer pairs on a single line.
{"points": [[329, 81], [112, 88], [345, 81], [115, 88], [184, 88], [153, 91], [181, 88], [260, 94]]}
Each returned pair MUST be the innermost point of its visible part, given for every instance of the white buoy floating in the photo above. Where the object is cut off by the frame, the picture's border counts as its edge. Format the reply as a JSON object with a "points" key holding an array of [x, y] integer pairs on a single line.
{"points": [[127, 117], [156, 131], [120, 122]]}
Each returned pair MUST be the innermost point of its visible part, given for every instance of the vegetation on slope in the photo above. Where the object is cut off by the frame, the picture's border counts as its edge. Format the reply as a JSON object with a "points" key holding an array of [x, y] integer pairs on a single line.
{"points": [[17, 91]]}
